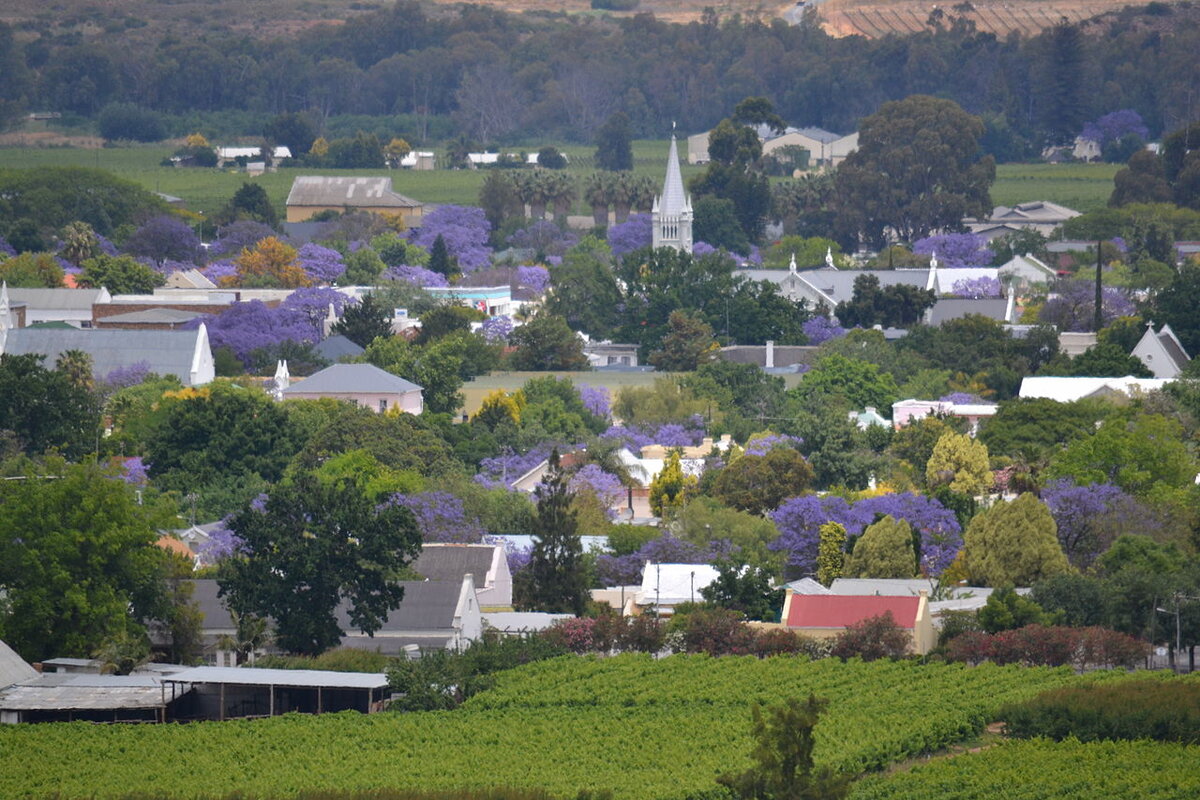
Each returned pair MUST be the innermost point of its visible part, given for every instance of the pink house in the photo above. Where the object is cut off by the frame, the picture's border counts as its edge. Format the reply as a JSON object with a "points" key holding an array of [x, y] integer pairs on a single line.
{"points": [[362, 384], [907, 411]]}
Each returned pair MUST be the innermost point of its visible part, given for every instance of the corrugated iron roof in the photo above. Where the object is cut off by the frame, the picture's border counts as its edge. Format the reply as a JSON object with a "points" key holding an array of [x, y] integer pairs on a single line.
{"points": [[324, 190], [254, 676], [13, 668], [343, 379], [840, 611], [165, 352], [76, 697]]}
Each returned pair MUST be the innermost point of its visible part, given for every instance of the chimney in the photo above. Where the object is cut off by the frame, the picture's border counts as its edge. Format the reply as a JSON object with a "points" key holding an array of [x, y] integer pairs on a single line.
{"points": [[770, 354]]}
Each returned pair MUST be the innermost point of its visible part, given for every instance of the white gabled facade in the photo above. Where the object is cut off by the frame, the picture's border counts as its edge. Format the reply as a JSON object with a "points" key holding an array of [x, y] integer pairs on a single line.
{"points": [[671, 216]]}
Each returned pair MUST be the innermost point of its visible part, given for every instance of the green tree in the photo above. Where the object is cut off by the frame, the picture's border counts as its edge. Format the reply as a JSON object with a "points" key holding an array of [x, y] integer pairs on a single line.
{"points": [[120, 275], [837, 379], [1033, 429], [311, 546], [961, 464], [498, 198], [546, 343], [363, 322], [917, 169], [435, 367], [44, 409], [32, 271], [614, 144], [894, 306], [295, 131], [557, 578], [831, 552], [745, 588], [1006, 610], [758, 484], [1176, 305], [688, 344], [717, 224], [783, 754], [249, 202], [1061, 91], [1108, 360], [445, 320], [79, 243], [78, 563], [671, 487], [439, 258], [1139, 455], [1142, 180], [584, 290], [1013, 544], [48, 198], [885, 550]]}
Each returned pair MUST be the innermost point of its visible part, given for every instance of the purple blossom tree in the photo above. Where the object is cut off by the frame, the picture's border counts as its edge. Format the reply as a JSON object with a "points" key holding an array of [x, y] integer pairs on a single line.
{"points": [[465, 231], [441, 517], [535, 278], [133, 471], [544, 237], [627, 570], [960, 398], [7, 249], [1090, 517], [500, 472], [976, 288], [216, 271], [799, 521], [606, 486], [310, 306], [162, 238], [632, 234], [941, 535], [123, 377], [221, 544], [625, 436], [821, 329], [1113, 126], [246, 327], [956, 249], [417, 276], [235, 237], [596, 399], [1072, 306], [496, 330], [761, 445], [323, 265]]}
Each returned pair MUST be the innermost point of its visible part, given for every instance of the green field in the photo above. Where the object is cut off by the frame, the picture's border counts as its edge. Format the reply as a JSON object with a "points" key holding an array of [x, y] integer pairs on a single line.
{"points": [[1038, 769], [1083, 187], [639, 727]]}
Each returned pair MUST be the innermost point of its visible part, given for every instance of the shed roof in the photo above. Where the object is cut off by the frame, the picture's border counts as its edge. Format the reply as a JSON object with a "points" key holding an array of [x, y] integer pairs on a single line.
{"points": [[254, 676], [450, 562], [675, 583], [337, 346], [78, 698], [165, 352], [840, 611], [63, 299], [153, 316], [343, 379], [325, 190]]}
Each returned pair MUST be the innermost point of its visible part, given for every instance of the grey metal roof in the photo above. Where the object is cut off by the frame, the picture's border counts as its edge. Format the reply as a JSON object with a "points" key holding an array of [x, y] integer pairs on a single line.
{"points": [[817, 134], [352, 379], [450, 562], [166, 352], [948, 308], [153, 316], [337, 347], [324, 190], [839, 283], [65, 299], [13, 668], [674, 200], [75, 693], [253, 676]]}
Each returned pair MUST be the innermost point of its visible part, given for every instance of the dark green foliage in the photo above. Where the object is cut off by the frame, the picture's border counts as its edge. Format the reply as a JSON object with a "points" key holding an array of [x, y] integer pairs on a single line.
{"points": [[746, 589], [47, 198], [294, 131], [783, 756], [1164, 710], [717, 224], [310, 545], [1006, 610], [748, 190], [445, 320], [363, 322], [556, 576], [545, 343], [44, 409], [758, 484], [1108, 360], [614, 144], [893, 306], [443, 679], [1061, 96], [440, 260], [128, 121], [551, 158], [361, 152], [339, 659], [1033, 429], [250, 202]]}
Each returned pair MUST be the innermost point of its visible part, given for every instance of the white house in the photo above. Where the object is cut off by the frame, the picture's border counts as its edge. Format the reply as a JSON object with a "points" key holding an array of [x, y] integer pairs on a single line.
{"points": [[665, 586], [362, 384], [1161, 352], [907, 411], [73, 306]]}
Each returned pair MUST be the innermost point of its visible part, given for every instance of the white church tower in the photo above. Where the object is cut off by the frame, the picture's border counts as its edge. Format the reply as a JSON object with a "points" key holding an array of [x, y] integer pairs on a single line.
{"points": [[672, 214]]}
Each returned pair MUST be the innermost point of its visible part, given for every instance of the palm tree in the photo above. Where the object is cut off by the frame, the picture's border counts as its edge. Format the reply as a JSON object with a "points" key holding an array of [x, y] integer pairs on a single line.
{"points": [[79, 243], [251, 635], [562, 193], [597, 192], [533, 189], [77, 366], [623, 192], [643, 192]]}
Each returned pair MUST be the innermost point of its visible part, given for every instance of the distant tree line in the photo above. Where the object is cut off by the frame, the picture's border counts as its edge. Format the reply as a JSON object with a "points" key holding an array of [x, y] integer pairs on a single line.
{"points": [[496, 76]]}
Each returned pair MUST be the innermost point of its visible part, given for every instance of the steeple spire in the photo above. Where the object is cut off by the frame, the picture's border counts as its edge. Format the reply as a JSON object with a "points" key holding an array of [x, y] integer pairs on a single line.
{"points": [[672, 211], [5, 315]]}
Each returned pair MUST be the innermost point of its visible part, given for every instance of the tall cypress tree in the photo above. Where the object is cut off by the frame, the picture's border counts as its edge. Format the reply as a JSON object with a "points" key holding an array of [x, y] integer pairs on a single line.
{"points": [[557, 579], [439, 257]]}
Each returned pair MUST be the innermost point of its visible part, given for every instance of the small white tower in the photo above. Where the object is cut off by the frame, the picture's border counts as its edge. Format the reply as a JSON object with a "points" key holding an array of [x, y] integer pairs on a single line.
{"points": [[282, 380], [671, 216], [6, 322]]}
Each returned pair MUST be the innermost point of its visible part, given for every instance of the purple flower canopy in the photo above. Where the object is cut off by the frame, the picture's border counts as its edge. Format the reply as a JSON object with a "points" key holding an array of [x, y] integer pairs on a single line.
{"points": [[632, 234], [247, 326], [627, 570], [465, 231], [235, 237], [441, 517], [496, 330], [765, 444], [606, 486], [976, 288], [133, 471], [1113, 126], [501, 471], [960, 398], [221, 544], [535, 278], [821, 329], [799, 521], [1072, 306], [321, 264], [123, 377], [544, 237], [687, 434], [417, 276], [1087, 515], [7, 249], [955, 250], [596, 399]]}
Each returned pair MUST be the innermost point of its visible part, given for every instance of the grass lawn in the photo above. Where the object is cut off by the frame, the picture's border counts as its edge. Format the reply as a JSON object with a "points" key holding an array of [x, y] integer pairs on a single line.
{"points": [[1084, 187]]}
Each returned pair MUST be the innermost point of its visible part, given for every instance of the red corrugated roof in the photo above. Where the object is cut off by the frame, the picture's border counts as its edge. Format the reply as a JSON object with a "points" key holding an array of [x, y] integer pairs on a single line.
{"points": [[839, 611]]}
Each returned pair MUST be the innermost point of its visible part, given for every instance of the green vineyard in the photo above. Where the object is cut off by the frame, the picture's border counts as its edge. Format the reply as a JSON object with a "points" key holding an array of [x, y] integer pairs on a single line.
{"points": [[1031, 770], [634, 726]]}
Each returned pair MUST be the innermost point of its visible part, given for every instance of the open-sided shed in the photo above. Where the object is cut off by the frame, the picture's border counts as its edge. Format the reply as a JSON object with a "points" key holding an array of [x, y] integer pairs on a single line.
{"points": [[224, 692]]}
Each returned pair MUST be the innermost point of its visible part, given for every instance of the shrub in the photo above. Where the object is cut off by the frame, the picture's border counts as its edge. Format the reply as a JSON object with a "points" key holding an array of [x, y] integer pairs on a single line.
{"points": [[1042, 645], [1163, 710], [872, 638], [127, 121]]}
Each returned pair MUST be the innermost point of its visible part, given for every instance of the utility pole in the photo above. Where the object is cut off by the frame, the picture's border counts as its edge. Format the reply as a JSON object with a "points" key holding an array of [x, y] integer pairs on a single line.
{"points": [[1098, 316]]}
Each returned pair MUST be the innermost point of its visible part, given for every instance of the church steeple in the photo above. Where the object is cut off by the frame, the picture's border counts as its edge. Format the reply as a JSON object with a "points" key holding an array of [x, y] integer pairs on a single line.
{"points": [[672, 213]]}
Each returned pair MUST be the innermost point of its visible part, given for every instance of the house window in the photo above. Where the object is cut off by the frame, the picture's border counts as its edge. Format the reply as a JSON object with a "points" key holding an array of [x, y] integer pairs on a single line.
{"points": [[382, 406]]}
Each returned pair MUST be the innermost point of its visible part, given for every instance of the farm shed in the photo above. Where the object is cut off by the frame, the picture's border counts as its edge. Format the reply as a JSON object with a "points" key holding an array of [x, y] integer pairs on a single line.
{"points": [[225, 692]]}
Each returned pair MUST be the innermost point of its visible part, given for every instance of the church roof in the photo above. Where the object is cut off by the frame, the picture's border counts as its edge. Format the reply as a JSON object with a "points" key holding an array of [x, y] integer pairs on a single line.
{"points": [[674, 200]]}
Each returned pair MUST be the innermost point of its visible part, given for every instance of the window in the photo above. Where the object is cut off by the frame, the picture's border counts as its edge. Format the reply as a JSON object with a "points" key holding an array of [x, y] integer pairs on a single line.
{"points": [[382, 406]]}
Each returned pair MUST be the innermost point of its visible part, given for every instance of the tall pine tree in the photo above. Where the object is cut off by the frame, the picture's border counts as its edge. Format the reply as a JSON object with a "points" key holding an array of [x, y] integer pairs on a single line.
{"points": [[557, 582], [439, 257]]}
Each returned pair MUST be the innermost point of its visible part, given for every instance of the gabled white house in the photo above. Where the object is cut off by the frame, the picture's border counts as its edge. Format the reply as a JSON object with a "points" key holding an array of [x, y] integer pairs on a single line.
{"points": [[1161, 352]]}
